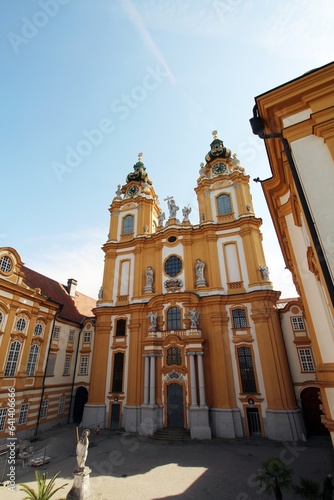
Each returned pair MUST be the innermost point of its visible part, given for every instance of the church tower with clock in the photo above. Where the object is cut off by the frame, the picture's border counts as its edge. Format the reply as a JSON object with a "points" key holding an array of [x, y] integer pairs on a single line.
{"points": [[187, 331]]}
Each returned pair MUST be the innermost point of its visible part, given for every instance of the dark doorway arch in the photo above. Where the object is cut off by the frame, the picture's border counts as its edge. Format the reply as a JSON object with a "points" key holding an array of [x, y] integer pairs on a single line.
{"points": [[175, 414], [81, 398], [312, 414]]}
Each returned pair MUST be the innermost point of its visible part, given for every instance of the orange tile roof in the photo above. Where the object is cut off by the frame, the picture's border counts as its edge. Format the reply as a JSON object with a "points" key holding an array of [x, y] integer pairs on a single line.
{"points": [[74, 309]]}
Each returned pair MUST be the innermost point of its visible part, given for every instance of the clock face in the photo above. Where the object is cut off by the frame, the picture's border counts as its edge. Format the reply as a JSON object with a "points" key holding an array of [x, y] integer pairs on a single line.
{"points": [[219, 168], [132, 190]]}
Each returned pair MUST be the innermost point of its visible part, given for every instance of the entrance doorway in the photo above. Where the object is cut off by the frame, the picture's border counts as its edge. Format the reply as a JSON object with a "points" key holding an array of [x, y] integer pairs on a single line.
{"points": [[175, 412], [81, 398], [253, 420], [115, 412], [312, 413]]}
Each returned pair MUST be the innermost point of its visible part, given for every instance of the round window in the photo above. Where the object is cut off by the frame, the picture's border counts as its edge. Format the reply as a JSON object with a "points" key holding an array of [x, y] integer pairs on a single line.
{"points": [[171, 239], [173, 266], [21, 324], [5, 264], [38, 330]]}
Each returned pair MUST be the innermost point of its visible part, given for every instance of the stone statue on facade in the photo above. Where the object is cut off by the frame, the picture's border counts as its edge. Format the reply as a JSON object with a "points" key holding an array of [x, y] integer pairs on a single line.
{"points": [[264, 271], [194, 317], [149, 280], [161, 218], [172, 207], [199, 272], [185, 212], [153, 321]]}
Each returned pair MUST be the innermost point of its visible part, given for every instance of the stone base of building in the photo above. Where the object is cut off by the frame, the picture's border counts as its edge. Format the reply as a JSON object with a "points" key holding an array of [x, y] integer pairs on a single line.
{"points": [[131, 418], [285, 425], [226, 423], [150, 421], [93, 416], [199, 423]]}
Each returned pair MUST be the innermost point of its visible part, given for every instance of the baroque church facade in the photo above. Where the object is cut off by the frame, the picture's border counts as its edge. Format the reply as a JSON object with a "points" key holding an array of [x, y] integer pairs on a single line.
{"points": [[187, 331]]}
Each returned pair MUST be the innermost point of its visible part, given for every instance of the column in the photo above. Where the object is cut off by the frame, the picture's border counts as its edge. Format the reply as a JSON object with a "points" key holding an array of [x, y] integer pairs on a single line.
{"points": [[152, 379], [193, 387], [146, 379], [201, 379]]}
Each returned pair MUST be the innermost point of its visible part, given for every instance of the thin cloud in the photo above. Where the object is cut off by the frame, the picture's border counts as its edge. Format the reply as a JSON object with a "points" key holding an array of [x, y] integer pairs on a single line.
{"points": [[138, 23]]}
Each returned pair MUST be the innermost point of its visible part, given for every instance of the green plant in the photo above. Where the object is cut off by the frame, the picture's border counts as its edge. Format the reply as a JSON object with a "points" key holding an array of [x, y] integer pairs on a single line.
{"points": [[307, 488], [275, 477], [44, 491]]}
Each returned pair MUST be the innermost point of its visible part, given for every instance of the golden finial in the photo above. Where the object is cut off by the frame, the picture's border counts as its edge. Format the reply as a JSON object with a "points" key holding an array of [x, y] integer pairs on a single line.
{"points": [[140, 157], [215, 134]]}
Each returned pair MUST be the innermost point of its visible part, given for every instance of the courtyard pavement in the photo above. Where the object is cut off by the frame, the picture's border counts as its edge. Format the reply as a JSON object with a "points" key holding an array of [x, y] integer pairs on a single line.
{"points": [[127, 467]]}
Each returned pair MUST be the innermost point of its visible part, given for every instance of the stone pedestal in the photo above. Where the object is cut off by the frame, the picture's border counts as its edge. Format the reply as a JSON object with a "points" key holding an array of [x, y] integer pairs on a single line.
{"points": [[199, 423], [80, 489]]}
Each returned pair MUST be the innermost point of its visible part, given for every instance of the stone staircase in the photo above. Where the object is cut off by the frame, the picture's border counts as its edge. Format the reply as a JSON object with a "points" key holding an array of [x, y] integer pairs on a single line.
{"points": [[172, 435]]}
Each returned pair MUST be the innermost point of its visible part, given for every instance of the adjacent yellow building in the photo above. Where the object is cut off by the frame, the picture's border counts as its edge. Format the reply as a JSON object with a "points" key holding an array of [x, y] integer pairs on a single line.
{"points": [[46, 347], [296, 120], [187, 330]]}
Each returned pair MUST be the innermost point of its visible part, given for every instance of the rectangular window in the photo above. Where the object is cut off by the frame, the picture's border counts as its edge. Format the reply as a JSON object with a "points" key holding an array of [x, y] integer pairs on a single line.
{"points": [[87, 337], [12, 359], [67, 365], [71, 336], [246, 370], [56, 332], [83, 370], [23, 413], [298, 323], [306, 360], [239, 318], [44, 408], [51, 365], [61, 405], [3, 414]]}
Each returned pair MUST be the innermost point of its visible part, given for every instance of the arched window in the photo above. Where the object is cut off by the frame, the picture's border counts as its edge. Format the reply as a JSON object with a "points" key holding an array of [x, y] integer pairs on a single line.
{"points": [[32, 360], [173, 318], [239, 318], [224, 204], [117, 381], [120, 327], [13, 356], [128, 224], [246, 370]]}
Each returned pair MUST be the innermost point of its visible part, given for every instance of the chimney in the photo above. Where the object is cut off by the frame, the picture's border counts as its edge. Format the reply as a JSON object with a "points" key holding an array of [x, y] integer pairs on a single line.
{"points": [[71, 286]]}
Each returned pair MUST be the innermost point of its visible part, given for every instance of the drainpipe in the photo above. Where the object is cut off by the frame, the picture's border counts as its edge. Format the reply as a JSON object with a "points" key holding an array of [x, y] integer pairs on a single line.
{"points": [[46, 365], [75, 368], [258, 129]]}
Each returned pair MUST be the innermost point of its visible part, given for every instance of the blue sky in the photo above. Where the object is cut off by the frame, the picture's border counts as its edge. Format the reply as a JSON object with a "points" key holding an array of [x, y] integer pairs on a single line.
{"points": [[88, 84]]}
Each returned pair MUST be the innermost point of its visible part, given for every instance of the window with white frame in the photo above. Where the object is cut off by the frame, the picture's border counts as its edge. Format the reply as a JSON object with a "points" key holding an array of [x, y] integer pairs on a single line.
{"points": [[21, 325], [56, 332], [3, 415], [71, 336], [128, 224], [83, 369], [13, 356], [306, 359], [51, 365], [32, 360], [44, 408], [224, 204], [23, 413], [67, 365], [38, 330], [61, 405], [298, 323], [239, 318], [87, 337]]}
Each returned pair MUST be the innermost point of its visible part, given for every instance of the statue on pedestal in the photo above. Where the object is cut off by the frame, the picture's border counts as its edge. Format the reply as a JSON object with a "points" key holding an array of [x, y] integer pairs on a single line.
{"points": [[194, 317], [149, 280], [199, 272], [153, 321]]}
